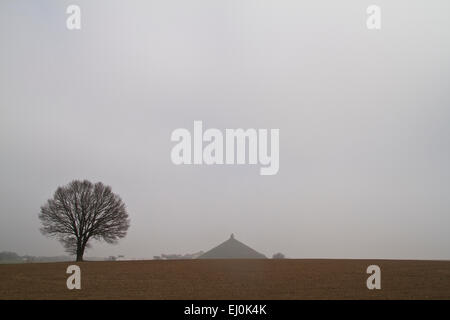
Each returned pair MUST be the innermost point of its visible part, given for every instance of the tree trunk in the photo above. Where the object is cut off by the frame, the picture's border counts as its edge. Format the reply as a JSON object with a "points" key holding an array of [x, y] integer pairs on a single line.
{"points": [[79, 256], [80, 252]]}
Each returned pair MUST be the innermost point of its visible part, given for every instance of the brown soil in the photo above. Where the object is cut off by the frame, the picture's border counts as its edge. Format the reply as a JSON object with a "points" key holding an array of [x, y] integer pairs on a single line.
{"points": [[228, 279]]}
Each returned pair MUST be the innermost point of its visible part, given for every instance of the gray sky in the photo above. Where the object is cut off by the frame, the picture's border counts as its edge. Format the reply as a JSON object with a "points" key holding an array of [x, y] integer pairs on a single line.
{"points": [[364, 119]]}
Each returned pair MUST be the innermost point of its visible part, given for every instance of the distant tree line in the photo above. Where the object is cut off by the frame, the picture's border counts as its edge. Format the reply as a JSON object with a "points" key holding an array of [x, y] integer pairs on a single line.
{"points": [[12, 257], [7, 256], [186, 256], [278, 255]]}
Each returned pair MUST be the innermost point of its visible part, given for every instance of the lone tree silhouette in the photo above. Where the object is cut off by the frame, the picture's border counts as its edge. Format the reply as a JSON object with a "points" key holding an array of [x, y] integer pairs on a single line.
{"points": [[81, 211]]}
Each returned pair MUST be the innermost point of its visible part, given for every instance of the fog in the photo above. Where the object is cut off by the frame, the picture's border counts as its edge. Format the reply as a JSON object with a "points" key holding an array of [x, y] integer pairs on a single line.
{"points": [[363, 117]]}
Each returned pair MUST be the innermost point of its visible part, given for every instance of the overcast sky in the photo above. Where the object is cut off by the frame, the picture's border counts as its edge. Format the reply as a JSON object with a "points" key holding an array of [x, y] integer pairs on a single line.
{"points": [[364, 119]]}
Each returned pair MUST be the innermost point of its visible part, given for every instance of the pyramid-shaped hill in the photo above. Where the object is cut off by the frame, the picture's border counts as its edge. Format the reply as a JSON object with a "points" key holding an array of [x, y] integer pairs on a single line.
{"points": [[232, 249]]}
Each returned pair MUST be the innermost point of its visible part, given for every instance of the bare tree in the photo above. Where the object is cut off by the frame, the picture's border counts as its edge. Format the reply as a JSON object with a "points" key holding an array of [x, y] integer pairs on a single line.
{"points": [[81, 211]]}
